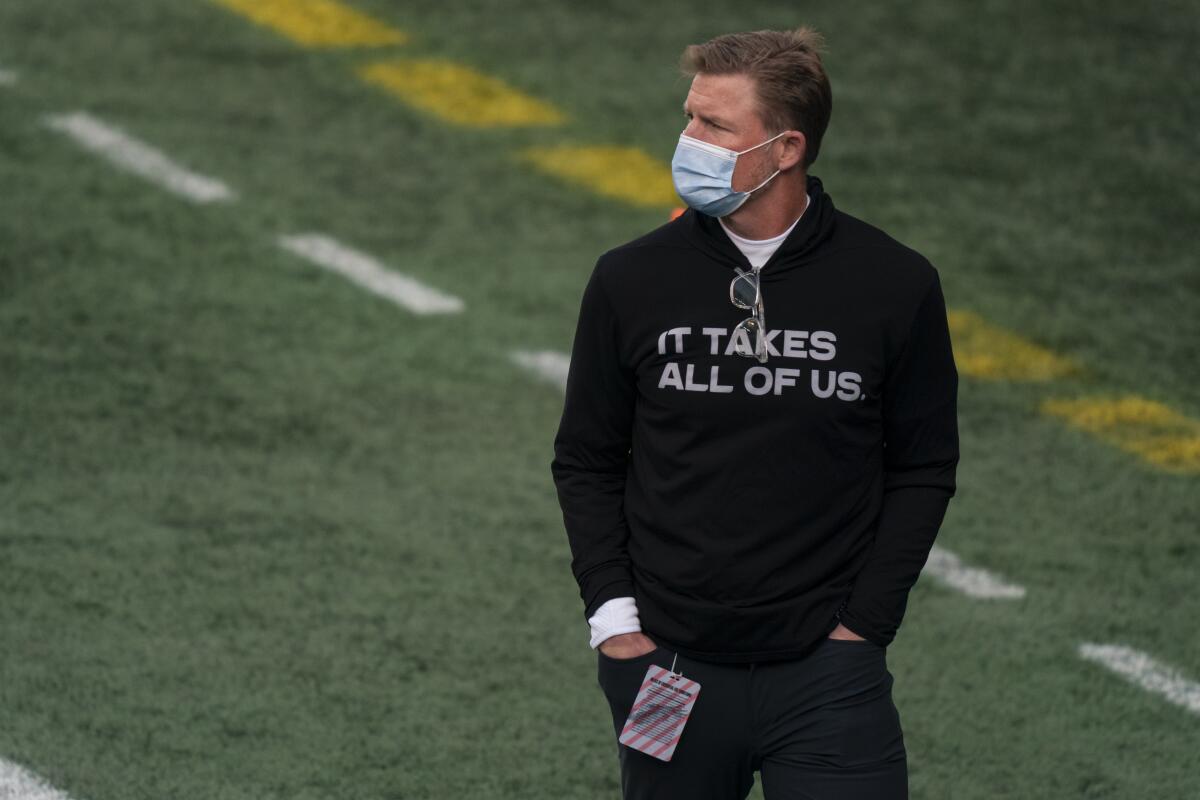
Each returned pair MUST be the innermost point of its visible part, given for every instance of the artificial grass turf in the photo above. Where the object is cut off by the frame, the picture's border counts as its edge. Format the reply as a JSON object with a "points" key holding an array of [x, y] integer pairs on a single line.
{"points": [[268, 535]]}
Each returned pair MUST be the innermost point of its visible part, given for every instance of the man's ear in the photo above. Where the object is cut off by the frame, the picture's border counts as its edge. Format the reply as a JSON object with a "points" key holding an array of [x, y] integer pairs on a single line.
{"points": [[795, 147]]}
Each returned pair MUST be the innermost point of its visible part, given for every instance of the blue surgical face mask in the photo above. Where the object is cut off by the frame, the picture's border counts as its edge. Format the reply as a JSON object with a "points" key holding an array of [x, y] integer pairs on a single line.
{"points": [[703, 175]]}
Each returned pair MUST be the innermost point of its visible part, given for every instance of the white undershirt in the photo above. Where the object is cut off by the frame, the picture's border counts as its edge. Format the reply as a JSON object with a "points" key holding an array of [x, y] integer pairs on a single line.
{"points": [[758, 251], [620, 615]]}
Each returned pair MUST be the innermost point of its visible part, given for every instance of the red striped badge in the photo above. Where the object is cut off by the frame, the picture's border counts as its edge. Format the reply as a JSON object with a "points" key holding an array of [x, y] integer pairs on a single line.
{"points": [[660, 710]]}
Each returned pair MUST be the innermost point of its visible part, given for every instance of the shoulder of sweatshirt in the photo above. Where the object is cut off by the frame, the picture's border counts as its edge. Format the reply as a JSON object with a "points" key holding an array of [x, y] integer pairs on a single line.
{"points": [[622, 265], [903, 262], [668, 236], [884, 273]]}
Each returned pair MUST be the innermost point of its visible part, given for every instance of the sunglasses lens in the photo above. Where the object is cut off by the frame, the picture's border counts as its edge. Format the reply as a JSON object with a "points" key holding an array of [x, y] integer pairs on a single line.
{"points": [[749, 340], [744, 291], [745, 336]]}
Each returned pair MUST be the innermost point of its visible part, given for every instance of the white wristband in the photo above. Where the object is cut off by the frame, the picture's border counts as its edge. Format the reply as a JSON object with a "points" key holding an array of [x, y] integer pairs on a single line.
{"points": [[618, 615]]}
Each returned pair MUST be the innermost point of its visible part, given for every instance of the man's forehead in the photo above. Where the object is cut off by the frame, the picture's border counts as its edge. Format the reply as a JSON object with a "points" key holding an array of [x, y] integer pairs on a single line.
{"points": [[729, 97]]}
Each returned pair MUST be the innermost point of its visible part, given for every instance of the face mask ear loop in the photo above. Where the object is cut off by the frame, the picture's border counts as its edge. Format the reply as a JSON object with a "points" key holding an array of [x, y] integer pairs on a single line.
{"points": [[764, 183], [760, 144], [773, 174]]}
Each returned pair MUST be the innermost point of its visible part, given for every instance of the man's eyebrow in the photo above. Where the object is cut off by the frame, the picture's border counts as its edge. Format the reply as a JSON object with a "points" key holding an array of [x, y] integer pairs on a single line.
{"points": [[717, 120]]}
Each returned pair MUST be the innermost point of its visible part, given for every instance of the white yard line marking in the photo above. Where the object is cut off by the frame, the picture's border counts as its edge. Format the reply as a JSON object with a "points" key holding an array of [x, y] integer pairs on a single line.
{"points": [[1142, 670], [972, 581], [127, 153], [7, 77], [18, 783], [370, 274], [549, 365]]}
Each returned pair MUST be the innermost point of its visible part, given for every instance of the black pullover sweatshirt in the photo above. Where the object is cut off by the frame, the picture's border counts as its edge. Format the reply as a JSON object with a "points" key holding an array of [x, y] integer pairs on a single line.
{"points": [[748, 507]]}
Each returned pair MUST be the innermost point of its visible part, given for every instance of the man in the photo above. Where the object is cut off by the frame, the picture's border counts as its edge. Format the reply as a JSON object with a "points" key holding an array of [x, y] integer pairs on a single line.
{"points": [[750, 498]]}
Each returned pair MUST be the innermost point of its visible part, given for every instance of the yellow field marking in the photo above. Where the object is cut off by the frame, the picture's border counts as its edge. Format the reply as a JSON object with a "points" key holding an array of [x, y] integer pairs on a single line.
{"points": [[982, 350], [459, 94], [318, 23], [1146, 428], [623, 173]]}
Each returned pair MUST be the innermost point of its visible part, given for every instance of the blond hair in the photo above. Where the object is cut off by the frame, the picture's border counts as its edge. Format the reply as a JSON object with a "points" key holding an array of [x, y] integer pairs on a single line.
{"points": [[793, 90]]}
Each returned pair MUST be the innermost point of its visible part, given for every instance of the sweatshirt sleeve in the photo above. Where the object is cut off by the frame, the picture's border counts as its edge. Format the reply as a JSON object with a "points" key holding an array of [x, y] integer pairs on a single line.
{"points": [[591, 452], [920, 458]]}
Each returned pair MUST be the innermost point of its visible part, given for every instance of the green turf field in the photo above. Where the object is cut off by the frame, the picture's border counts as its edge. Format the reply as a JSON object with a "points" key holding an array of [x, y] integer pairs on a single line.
{"points": [[264, 534]]}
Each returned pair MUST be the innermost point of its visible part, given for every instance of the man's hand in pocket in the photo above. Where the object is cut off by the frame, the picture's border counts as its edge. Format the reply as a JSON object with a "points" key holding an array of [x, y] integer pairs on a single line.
{"points": [[842, 632], [627, 645]]}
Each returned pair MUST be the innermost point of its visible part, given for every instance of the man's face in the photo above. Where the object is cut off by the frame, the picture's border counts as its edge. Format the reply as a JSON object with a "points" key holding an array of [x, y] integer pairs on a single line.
{"points": [[723, 110]]}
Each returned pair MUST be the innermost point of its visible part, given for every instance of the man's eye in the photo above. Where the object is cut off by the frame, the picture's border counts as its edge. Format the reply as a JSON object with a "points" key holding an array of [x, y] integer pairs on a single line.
{"points": [[706, 122]]}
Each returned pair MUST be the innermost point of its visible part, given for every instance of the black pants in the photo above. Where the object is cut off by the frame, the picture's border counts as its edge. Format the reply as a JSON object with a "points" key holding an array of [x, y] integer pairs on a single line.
{"points": [[821, 727]]}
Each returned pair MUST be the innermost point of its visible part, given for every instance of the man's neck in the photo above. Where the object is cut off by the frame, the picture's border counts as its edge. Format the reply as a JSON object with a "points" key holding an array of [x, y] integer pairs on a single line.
{"points": [[767, 216]]}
